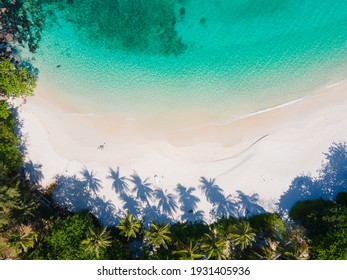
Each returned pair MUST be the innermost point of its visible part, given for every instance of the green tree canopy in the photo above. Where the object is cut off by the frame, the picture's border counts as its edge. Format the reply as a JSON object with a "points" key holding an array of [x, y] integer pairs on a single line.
{"points": [[129, 227], [242, 234], [15, 81], [269, 224], [64, 240], [214, 245], [97, 240], [158, 235], [9, 153]]}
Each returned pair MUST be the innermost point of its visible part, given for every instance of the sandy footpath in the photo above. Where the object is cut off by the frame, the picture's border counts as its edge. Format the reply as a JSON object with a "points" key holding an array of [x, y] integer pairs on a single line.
{"points": [[261, 153]]}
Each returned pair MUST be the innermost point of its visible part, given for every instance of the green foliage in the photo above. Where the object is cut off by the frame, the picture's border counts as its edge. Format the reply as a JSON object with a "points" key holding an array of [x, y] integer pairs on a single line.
{"points": [[183, 232], [295, 245], [214, 245], [310, 213], [9, 153], [15, 82], [129, 227], [64, 240], [326, 224], [333, 246], [97, 240], [21, 240], [189, 252], [341, 198], [269, 224], [4, 111], [118, 250], [158, 235], [242, 234], [223, 225], [10, 199]]}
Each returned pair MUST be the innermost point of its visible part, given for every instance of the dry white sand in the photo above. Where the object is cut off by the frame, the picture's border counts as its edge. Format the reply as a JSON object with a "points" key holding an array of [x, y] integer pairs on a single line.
{"points": [[261, 153]]}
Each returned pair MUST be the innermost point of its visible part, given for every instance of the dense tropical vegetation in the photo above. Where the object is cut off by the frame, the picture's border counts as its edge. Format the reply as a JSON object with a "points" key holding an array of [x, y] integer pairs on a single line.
{"points": [[33, 227]]}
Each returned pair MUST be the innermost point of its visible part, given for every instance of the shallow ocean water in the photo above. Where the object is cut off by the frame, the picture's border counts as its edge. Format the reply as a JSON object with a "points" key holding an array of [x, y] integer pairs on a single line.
{"points": [[165, 57]]}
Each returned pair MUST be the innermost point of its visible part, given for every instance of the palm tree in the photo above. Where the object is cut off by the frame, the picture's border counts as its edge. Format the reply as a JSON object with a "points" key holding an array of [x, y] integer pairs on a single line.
{"points": [[158, 235], [142, 188], [214, 245], [213, 192], [96, 240], [22, 239], [189, 253], [270, 251], [296, 246], [189, 202], [167, 203], [119, 183], [129, 227], [242, 234]]}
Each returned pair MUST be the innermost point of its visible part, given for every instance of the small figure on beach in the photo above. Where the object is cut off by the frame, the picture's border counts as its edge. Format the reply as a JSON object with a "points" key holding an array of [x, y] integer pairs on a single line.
{"points": [[101, 147]]}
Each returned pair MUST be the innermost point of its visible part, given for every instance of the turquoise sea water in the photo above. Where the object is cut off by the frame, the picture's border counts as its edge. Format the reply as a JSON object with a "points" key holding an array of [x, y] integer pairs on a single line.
{"points": [[164, 57]]}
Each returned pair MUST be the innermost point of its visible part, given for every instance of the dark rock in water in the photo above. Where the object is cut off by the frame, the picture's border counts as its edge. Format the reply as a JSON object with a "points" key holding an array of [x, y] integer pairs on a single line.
{"points": [[58, 66], [202, 20], [182, 11]]}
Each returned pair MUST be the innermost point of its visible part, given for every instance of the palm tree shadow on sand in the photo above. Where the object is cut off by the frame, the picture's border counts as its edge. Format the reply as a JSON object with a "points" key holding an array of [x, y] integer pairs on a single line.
{"points": [[166, 202], [33, 172], [158, 205], [331, 179], [248, 205], [142, 188], [89, 179], [119, 185], [130, 204], [189, 203], [73, 194], [214, 193]]}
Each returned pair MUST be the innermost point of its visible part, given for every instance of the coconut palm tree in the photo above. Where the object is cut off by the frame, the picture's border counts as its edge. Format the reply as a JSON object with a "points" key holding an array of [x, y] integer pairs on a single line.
{"points": [[214, 245], [142, 188], [166, 202], [189, 253], [119, 182], [242, 234], [269, 251], [97, 239], [129, 227], [213, 192], [158, 235], [22, 239], [296, 246]]}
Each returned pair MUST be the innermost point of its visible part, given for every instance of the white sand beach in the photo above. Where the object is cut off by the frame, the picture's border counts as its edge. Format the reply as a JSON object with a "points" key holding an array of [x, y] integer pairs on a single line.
{"points": [[259, 154]]}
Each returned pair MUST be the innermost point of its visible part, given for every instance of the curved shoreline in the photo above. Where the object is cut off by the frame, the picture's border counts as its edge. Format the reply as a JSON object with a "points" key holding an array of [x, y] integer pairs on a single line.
{"points": [[297, 136]]}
